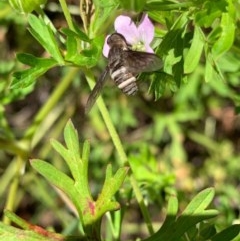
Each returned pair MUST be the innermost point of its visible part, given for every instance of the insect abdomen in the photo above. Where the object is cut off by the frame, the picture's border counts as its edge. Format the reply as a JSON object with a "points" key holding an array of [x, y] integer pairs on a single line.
{"points": [[124, 80]]}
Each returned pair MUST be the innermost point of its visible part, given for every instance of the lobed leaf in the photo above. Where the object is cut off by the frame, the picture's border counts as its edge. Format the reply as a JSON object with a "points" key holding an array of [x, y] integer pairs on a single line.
{"points": [[44, 35], [71, 140], [58, 179], [89, 56], [28, 77]]}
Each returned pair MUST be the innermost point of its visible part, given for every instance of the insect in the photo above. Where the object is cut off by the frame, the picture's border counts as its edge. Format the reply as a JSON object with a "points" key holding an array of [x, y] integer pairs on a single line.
{"points": [[123, 66]]}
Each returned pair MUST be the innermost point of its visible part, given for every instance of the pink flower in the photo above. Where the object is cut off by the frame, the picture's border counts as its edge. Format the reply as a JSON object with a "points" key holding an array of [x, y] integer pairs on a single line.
{"points": [[139, 37]]}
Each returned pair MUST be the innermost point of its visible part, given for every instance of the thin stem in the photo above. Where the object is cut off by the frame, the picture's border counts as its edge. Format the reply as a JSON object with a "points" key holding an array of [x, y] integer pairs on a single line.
{"points": [[11, 198], [141, 203], [66, 13], [107, 119], [119, 147]]}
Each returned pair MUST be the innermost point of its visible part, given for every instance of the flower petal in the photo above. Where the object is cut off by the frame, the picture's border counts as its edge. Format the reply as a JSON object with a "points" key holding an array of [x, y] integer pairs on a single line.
{"points": [[148, 49], [125, 26], [146, 30], [106, 47]]}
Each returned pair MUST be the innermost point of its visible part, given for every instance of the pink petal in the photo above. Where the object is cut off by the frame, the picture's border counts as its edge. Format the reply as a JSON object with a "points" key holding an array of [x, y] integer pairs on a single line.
{"points": [[148, 49], [146, 30], [125, 26], [106, 47]]}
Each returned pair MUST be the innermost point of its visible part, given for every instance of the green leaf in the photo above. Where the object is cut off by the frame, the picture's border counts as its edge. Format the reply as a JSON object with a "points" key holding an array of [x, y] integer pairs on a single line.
{"points": [[200, 202], [72, 48], [193, 214], [224, 43], [77, 165], [80, 34], [177, 69], [172, 206], [58, 179], [26, 6], [171, 212], [194, 53], [133, 5], [209, 71], [28, 59], [52, 174], [33, 61], [77, 34], [31, 232], [209, 12], [158, 84], [88, 57], [74, 161], [214, 76], [71, 44], [29, 76], [111, 185], [66, 155], [74, 164], [105, 13], [44, 35], [9, 233], [214, 35], [173, 46], [71, 140], [167, 43], [85, 151], [227, 234]]}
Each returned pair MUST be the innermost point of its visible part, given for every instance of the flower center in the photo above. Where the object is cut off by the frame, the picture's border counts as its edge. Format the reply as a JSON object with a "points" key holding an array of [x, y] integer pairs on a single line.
{"points": [[139, 46]]}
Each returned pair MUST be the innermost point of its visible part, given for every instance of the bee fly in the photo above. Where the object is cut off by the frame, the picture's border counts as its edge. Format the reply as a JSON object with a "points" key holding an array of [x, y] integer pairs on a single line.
{"points": [[123, 66]]}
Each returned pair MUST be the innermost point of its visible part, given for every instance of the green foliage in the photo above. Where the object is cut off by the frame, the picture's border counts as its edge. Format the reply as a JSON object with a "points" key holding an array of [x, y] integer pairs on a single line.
{"points": [[77, 189], [26, 6], [175, 227], [160, 148], [27, 77]]}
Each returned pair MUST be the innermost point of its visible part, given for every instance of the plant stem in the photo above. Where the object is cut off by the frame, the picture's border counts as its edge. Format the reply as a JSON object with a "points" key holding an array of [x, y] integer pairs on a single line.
{"points": [[107, 119], [119, 147], [11, 197], [66, 13]]}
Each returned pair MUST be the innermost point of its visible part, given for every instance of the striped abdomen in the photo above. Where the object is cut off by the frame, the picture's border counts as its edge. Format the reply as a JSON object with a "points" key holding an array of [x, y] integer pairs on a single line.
{"points": [[125, 80]]}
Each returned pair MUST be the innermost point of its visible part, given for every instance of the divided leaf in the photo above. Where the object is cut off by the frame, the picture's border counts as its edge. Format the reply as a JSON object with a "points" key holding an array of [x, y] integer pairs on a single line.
{"points": [[44, 35], [28, 77]]}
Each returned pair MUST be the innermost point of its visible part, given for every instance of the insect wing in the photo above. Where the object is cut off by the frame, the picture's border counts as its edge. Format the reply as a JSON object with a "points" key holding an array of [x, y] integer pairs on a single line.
{"points": [[137, 62], [96, 90]]}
